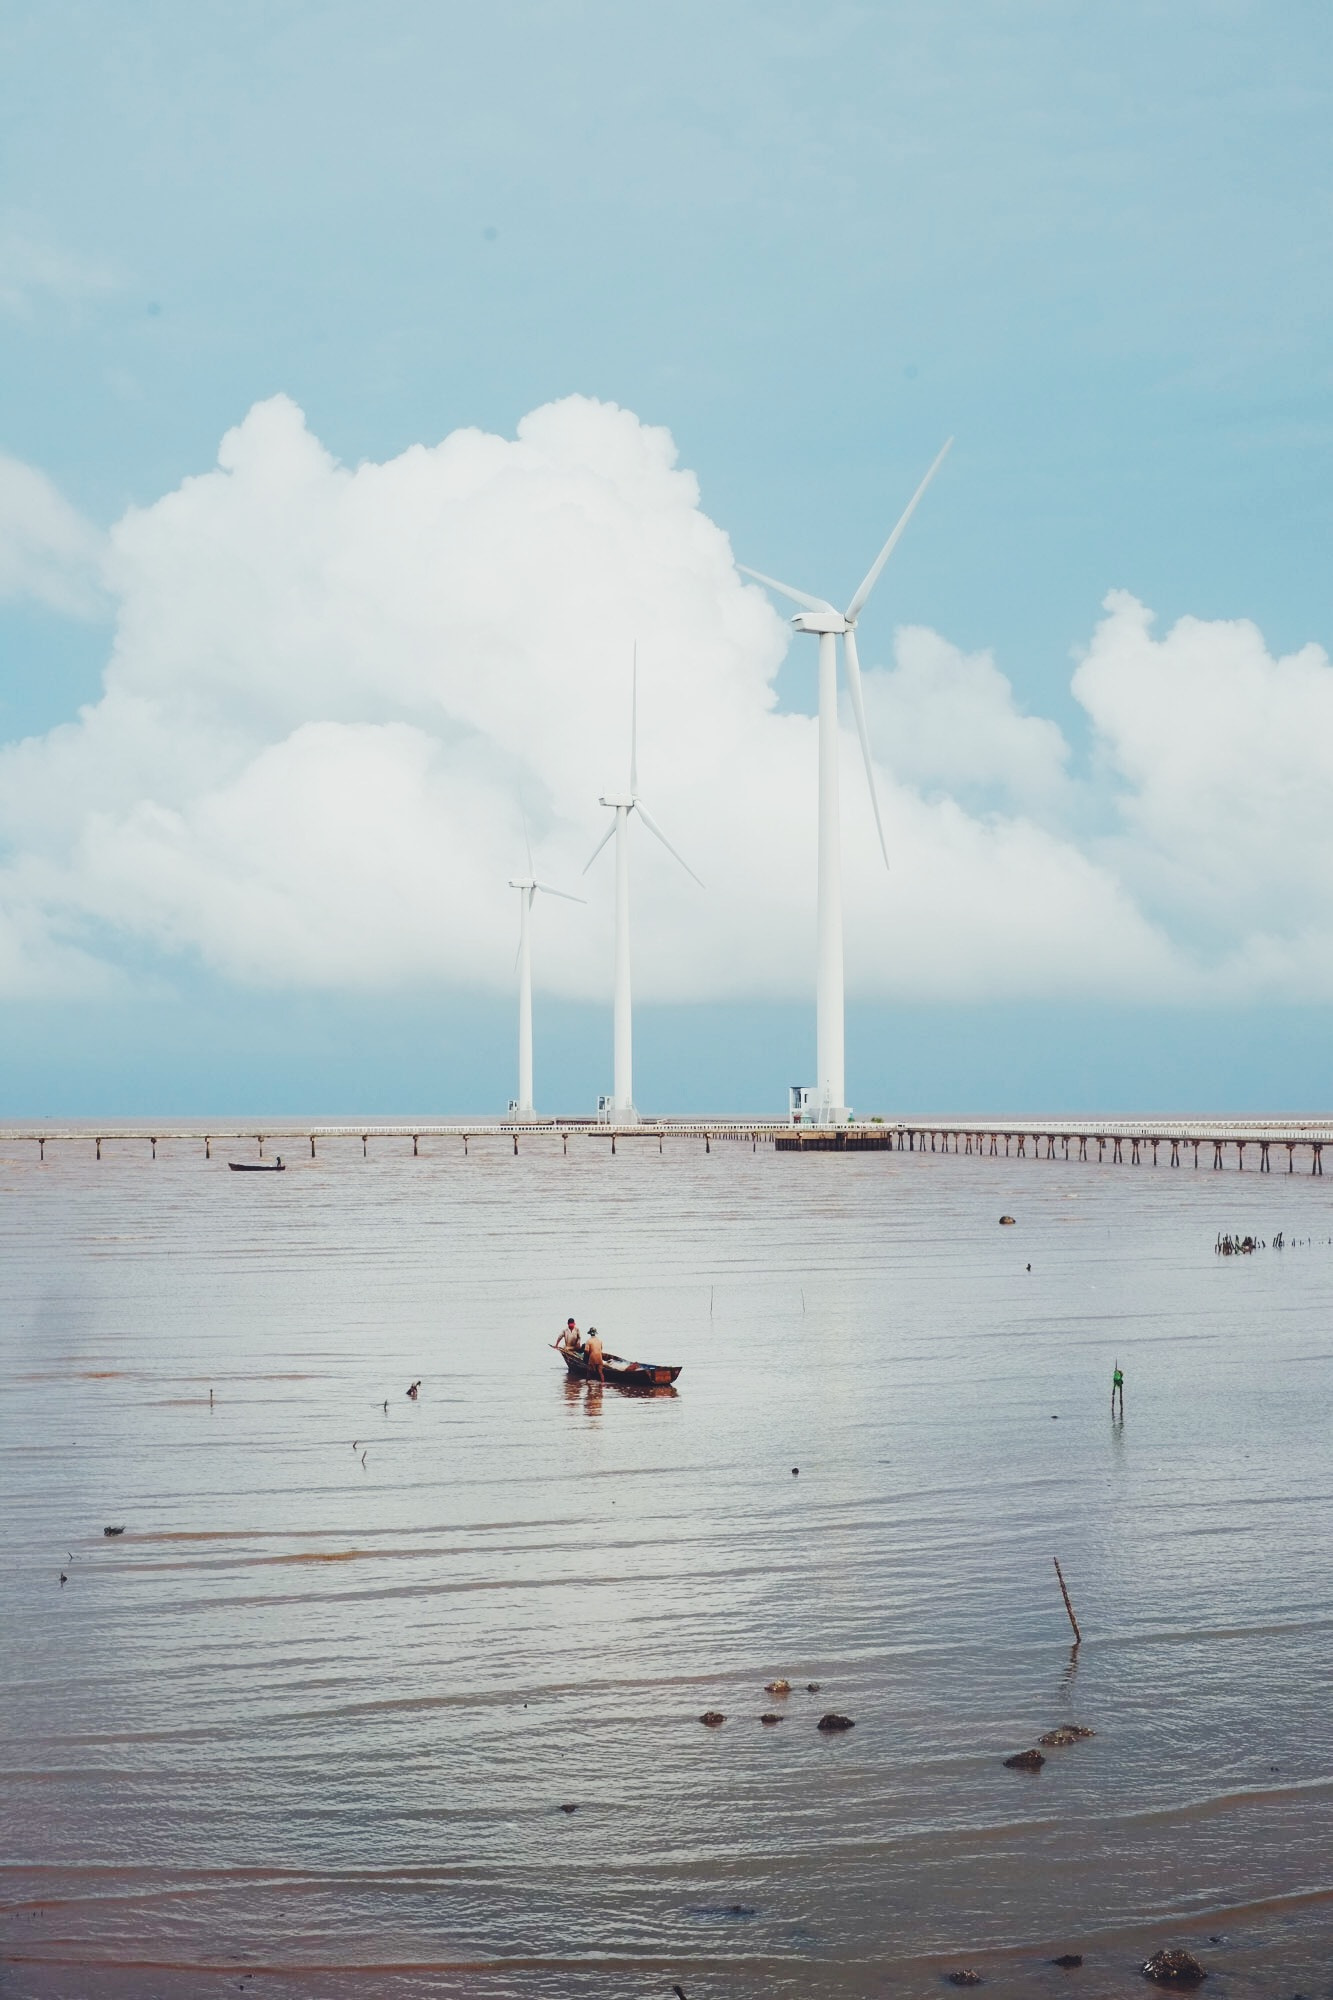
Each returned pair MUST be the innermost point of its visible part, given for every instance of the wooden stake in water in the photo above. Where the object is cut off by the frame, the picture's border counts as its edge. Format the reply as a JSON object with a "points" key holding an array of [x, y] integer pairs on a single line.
{"points": [[1078, 1636]]}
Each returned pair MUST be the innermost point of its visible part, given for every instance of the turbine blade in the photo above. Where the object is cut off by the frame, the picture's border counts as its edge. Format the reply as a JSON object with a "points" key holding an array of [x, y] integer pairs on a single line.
{"points": [[600, 845], [853, 665], [653, 827], [858, 603], [547, 890], [634, 724], [785, 590]]}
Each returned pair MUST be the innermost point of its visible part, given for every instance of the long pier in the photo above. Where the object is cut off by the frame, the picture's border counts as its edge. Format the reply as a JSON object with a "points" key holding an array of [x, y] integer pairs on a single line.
{"points": [[1216, 1144]]}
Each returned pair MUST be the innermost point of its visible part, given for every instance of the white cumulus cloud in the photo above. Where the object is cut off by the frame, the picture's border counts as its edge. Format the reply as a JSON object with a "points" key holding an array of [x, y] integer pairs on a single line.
{"points": [[333, 693]]}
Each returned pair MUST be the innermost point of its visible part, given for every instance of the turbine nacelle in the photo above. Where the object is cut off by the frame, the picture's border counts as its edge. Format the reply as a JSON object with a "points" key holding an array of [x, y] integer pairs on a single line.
{"points": [[625, 799], [822, 621]]}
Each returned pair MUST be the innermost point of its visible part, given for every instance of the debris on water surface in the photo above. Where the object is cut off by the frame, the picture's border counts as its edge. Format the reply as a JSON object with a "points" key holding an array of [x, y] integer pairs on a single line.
{"points": [[115, 1531], [832, 1721], [967, 1977], [769, 1719], [777, 1687], [712, 1718], [1006, 1221], [1026, 1760], [812, 1687], [1067, 1733], [1174, 1968], [1068, 1959], [568, 1809]]}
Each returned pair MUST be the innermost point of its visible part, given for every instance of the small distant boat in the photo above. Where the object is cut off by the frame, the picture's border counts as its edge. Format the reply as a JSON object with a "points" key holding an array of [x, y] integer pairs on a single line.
{"points": [[257, 1166], [625, 1374]]}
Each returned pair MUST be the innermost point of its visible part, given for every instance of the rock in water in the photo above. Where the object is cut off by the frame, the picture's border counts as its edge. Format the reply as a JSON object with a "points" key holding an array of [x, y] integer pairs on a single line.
{"points": [[777, 1687], [569, 1809], [769, 1720], [1067, 1733], [114, 1531], [967, 1977], [1174, 1968], [831, 1722], [1068, 1959], [1026, 1760], [1006, 1221], [711, 1719], [812, 1687]]}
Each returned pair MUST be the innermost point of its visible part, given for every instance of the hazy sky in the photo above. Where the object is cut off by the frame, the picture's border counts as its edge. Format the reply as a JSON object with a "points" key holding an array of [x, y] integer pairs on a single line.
{"points": [[279, 707]]}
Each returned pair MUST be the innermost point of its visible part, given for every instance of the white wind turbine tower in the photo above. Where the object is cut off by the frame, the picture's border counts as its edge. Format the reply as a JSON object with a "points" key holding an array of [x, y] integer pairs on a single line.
{"points": [[527, 887], [623, 804], [821, 618]]}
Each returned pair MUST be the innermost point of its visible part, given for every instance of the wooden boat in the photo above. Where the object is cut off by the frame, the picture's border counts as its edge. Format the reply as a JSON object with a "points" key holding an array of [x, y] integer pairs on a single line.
{"points": [[624, 1374], [257, 1166]]}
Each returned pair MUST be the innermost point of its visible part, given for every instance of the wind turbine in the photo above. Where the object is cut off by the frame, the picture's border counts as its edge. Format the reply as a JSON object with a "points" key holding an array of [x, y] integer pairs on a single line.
{"points": [[623, 804], [820, 617], [527, 887]]}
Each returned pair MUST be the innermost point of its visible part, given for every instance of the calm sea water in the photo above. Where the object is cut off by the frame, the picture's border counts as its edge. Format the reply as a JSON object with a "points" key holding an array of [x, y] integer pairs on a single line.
{"points": [[307, 1727]]}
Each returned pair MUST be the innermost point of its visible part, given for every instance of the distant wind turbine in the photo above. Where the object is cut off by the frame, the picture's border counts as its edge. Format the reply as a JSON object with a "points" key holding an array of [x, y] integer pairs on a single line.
{"points": [[820, 617], [527, 887], [623, 804]]}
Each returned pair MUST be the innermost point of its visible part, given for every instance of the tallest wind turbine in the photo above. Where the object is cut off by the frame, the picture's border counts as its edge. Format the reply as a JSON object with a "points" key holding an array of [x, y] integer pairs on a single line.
{"points": [[821, 618]]}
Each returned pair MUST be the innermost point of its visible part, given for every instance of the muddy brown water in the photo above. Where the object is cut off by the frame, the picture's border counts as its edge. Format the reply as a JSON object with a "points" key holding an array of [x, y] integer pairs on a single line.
{"points": [[307, 1728]]}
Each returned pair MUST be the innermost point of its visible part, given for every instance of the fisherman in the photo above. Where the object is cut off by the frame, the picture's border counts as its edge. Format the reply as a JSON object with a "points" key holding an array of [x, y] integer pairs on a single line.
{"points": [[594, 1352], [414, 1391], [1118, 1389], [571, 1340]]}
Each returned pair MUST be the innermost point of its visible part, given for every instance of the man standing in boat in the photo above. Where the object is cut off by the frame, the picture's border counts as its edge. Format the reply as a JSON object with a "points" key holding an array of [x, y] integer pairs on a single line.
{"points": [[571, 1340], [594, 1353]]}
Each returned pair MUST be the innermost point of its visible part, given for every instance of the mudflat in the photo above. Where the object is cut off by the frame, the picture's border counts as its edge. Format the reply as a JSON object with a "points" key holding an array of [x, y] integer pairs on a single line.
{"points": [[312, 1725]]}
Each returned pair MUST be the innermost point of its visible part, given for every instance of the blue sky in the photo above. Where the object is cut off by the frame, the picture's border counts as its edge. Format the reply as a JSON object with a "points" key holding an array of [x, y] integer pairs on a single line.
{"points": [[1091, 243]]}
